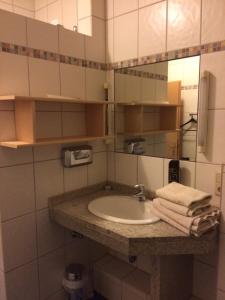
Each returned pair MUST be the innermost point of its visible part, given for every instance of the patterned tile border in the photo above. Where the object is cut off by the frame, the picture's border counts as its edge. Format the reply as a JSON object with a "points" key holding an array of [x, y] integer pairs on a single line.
{"points": [[175, 54], [142, 74], [189, 87], [50, 56], [56, 57]]}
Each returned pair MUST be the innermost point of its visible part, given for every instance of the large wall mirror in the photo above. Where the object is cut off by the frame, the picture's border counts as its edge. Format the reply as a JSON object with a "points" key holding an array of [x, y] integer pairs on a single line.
{"points": [[156, 109]]}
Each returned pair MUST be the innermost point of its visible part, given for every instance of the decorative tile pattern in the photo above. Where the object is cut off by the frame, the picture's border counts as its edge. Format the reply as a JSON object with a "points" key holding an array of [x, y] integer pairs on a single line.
{"points": [[142, 74], [174, 54]]}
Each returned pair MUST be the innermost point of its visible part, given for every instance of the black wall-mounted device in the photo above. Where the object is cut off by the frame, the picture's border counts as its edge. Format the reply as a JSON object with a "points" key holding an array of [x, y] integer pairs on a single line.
{"points": [[174, 171]]}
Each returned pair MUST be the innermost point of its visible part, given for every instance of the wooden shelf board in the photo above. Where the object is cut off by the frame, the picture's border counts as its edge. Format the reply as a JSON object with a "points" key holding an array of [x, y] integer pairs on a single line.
{"points": [[52, 98], [155, 104], [147, 132], [51, 141]]}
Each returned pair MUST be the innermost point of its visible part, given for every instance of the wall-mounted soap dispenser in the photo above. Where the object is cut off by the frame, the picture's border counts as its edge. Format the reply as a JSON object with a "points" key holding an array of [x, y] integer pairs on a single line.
{"points": [[77, 156]]}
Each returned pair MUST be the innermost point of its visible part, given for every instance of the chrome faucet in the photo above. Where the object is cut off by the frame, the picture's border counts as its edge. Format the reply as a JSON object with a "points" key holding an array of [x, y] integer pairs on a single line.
{"points": [[141, 192]]}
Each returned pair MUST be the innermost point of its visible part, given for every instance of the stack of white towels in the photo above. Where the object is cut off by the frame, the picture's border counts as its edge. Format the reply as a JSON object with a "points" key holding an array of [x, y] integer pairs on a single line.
{"points": [[186, 208]]}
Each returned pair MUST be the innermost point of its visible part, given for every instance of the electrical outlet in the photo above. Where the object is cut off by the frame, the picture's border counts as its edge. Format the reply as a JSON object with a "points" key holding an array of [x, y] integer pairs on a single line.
{"points": [[218, 184]]}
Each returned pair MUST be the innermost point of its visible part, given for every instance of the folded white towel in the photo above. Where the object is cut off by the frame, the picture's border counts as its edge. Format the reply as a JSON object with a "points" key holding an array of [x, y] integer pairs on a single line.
{"points": [[195, 209], [190, 225], [181, 194]]}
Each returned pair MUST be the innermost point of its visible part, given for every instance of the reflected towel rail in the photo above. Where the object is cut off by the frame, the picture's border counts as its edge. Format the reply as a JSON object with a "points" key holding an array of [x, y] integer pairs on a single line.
{"points": [[203, 111]]}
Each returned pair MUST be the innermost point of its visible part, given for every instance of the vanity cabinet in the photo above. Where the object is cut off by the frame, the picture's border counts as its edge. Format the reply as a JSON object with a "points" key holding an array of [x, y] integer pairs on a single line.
{"points": [[26, 121]]}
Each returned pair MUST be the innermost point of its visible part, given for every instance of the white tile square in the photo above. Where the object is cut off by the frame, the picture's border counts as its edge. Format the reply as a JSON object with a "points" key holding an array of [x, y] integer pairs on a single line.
{"points": [[7, 126], [215, 150], [55, 13], [26, 4], [85, 26], [213, 22], [95, 44], [97, 171], [72, 81], [51, 272], [99, 8], [126, 168], [215, 64], [41, 35], [74, 123], [22, 283], [150, 172], [109, 39], [206, 180], [47, 152], [71, 43], [18, 200], [19, 241], [95, 80], [109, 9], [44, 77], [48, 181], [13, 67], [16, 28], [146, 2], [6, 6], [50, 235], [42, 14], [8, 157], [49, 124], [75, 178], [183, 24], [152, 27], [69, 14], [124, 6], [126, 36], [84, 8]]}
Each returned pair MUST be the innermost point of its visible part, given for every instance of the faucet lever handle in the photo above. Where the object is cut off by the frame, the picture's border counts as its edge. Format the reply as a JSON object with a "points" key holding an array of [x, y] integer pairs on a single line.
{"points": [[140, 186]]}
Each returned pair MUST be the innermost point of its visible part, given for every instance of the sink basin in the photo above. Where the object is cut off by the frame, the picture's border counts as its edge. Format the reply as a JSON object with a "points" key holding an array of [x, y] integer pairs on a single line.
{"points": [[123, 209]]}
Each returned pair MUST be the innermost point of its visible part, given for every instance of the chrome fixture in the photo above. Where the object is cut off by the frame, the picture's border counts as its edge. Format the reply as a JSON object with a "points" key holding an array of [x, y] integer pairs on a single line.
{"points": [[141, 192]]}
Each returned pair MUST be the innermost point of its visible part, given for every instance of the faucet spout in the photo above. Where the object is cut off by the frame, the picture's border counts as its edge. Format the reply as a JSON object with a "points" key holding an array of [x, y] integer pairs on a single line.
{"points": [[141, 192]]}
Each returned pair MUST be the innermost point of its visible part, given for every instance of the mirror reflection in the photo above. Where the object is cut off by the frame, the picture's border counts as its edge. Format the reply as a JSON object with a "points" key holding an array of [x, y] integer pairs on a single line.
{"points": [[156, 109]]}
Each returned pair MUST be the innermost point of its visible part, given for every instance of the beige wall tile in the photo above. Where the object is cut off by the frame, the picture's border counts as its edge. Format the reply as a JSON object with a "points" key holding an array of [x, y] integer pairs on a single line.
{"points": [[124, 6], [42, 14], [13, 74], [150, 172], [152, 27], [55, 12], [146, 2], [95, 80], [53, 263], [74, 123], [85, 26], [22, 283], [126, 168], [126, 46], [43, 36], [18, 200], [69, 14], [95, 45], [98, 8], [71, 43], [215, 64], [206, 179], [48, 181], [23, 12], [111, 166], [183, 23], [215, 151], [16, 28], [7, 126], [19, 241], [44, 77], [97, 171], [8, 157], [49, 124], [213, 23], [58, 296], [84, 8], [26, 4], [50, 235], [40, 3], [109, 9], [47, 152], [72, 81], [7, 7], [75, 178]]}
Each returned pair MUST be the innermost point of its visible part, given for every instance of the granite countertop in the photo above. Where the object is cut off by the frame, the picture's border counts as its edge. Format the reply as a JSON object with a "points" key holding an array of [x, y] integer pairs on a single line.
{"points": [[71, 211]]}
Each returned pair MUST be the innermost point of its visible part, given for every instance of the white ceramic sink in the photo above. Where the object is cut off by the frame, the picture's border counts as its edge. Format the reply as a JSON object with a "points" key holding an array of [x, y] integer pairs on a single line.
{"points": [[123, 209]]}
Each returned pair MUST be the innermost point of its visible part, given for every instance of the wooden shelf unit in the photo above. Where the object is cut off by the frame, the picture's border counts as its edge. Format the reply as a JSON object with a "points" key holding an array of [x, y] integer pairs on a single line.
{"points": [[26, 121], [168, 112]]}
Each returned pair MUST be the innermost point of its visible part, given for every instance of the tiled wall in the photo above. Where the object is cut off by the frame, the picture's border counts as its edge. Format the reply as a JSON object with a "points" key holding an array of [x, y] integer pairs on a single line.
{"points": [[21, 7], [33, 250], [144, 27]]}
